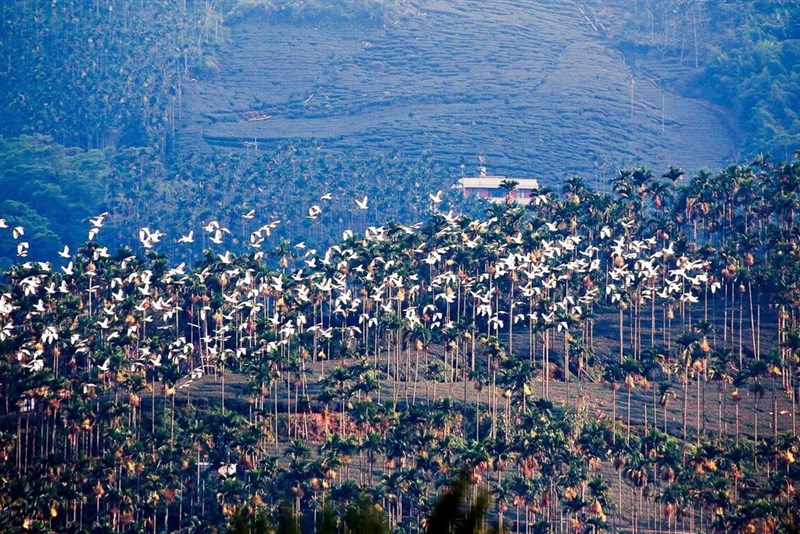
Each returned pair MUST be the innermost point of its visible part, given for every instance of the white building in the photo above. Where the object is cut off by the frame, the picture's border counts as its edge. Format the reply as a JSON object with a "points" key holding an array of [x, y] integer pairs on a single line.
{"points": [[489, 187]]}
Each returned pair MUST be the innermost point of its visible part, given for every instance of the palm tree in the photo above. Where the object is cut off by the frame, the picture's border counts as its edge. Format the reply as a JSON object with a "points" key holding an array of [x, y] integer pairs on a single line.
{"points": [[613, 374], [574, 189], [673, 174], [632, 371], [508, 186], [636, 473], [660, 194], [754, 372], [599, 504], [722, 370], [688, 342]]}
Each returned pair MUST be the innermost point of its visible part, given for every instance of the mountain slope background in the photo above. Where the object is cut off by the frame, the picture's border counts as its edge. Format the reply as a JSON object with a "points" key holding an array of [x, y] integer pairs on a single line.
{"points": [[538, 88]]}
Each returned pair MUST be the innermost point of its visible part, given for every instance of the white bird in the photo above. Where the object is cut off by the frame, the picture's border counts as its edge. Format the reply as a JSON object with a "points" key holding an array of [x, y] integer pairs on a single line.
{"points": [[64, 253], [3, 223], [97, 222], [362, 204], [17, 232], [437, 198], [326, 196], [148, 238], [227, 470], [271, 226], [314, 211], [217, 238], [256, 240], [22, 249], [188, 238], [35, 365], [250, 214], [538, 200]]}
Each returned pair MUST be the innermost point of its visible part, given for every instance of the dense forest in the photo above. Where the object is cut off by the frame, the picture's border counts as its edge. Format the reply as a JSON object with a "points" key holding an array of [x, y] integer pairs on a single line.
{"points": [[741, 56], [297, 338], [595, 361]]}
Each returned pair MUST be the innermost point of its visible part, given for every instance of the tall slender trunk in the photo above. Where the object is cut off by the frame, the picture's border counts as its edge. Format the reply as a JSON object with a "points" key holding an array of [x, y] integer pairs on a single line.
{"points": [[685, 415]]}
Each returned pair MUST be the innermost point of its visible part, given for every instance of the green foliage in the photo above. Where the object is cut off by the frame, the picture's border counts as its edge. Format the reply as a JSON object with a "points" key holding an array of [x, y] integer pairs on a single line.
{"points": [[358, 516], [51, 191], [363, 517], [99, 74], [246, 521], [752, 69], [317, 11], [455, 512], [741, 56]]}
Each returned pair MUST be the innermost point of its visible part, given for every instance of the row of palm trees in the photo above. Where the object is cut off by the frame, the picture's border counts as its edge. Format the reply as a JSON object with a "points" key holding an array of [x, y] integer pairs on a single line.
{"points": [[398, 355]]}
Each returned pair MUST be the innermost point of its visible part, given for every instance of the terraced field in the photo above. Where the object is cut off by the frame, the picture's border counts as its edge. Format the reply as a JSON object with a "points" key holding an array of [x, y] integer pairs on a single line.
{"points": [[534, 87]]}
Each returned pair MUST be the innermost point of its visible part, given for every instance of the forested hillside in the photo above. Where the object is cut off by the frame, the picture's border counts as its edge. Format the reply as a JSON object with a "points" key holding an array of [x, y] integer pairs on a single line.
{"points": [[592, 362], [393, 100], [104, 73], [238, 294], [53, 190], [752, 69], [741, 56]]}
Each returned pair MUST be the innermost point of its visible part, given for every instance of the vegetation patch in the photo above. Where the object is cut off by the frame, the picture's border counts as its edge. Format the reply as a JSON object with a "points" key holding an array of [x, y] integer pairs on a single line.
{"points": [[350, 12]]}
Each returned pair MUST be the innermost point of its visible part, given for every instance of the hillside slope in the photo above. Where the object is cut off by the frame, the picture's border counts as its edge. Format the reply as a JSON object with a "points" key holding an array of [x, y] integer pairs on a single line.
{"points": [[536, 88]]}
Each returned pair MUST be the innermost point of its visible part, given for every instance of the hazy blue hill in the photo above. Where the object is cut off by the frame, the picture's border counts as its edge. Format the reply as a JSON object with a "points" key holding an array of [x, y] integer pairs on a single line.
{"points": [[538, 88]]}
